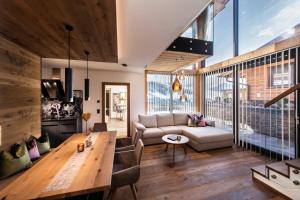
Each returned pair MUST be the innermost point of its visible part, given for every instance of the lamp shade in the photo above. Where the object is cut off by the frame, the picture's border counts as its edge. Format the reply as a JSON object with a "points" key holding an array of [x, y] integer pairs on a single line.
{"points": [[176, 86], [68, 84], [87, 89], [183, 97]]}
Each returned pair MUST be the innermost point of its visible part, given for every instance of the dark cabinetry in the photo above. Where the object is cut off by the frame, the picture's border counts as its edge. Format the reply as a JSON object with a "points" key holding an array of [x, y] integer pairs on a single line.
{"points": [[62, 126]]}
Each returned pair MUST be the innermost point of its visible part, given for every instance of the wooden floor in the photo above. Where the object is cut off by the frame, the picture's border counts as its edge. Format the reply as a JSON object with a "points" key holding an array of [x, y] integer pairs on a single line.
{"points": [[117, 125], [217, 174]]}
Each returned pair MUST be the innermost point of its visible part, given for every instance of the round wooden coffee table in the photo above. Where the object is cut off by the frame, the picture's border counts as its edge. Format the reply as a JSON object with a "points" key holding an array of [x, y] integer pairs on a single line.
{"points": [[180, 139]]}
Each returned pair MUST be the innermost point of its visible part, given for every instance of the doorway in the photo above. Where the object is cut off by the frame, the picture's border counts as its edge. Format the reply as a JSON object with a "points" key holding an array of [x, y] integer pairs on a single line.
{"points": [[116, 107]]}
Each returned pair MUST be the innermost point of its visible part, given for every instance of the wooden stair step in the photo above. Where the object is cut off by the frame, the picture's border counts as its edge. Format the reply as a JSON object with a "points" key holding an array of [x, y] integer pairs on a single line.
{"points": [[294, 163], [261, 169], [279, 167]]}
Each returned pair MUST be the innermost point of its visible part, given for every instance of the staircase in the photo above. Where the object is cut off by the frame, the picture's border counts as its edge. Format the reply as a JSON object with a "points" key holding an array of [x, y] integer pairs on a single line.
{"points": [[283, 177]]}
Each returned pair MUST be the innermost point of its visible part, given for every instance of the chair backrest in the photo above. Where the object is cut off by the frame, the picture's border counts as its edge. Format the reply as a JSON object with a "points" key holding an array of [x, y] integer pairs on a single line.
{"points": [[99, 127], [139, 150]]}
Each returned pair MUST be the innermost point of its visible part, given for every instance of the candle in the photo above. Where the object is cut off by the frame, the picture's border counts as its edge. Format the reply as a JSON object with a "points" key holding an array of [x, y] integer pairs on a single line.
{"points": [[178, 137], [80, 147]]}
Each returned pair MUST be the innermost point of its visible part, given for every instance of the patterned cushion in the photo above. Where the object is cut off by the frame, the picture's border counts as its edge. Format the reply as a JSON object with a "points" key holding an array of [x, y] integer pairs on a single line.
{"points": [[180, 119], [32, 148], [10, 165], [43, 144], [201, 122], [196, 120], [165, 120], [149, 121]]}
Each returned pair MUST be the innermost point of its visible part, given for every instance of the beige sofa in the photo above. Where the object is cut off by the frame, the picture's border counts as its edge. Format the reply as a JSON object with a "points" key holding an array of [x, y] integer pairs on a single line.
{"points": [[151, 128]]}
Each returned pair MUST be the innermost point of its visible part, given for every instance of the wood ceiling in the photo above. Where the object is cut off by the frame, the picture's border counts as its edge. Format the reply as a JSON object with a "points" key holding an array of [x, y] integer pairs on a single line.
{"points": [[169, 61], [39, 26]]}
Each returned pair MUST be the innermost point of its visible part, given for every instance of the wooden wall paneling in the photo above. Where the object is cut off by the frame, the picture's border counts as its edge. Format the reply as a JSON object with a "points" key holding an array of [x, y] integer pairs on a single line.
{"points": [[20, 105], [39, 26]]}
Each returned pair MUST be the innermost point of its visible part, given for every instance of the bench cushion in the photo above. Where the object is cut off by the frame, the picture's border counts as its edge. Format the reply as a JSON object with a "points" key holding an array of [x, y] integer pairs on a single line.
{"points": [[10, 165], [153, 132], [164, 120], [207, 134]]}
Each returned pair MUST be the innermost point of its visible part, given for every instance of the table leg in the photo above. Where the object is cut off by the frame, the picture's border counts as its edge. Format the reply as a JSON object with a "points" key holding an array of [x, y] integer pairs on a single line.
{"points": [[173, 152], [184, 147], [167, 146]]}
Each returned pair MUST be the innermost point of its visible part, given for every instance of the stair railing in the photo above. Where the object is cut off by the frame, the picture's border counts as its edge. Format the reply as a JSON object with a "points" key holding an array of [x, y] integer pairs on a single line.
{"points": [[282, 95]]}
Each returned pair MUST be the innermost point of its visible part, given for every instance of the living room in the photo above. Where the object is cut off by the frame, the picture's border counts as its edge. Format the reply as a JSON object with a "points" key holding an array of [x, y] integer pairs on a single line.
{"points": [[113, 99]]}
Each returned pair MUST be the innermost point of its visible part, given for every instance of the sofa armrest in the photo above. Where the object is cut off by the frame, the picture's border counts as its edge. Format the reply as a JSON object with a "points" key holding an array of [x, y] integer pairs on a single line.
{"points": [[210, 123], [139, 126]]}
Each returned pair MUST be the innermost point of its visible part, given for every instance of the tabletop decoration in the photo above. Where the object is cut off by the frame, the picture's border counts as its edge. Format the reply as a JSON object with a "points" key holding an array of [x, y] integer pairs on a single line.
{"points": [[80, 147], [86, 117]]}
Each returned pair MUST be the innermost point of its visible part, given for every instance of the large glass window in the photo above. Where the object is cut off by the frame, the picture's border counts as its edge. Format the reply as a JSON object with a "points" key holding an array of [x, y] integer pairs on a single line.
{"points": [[223, 35], [266, 22], [270, 128], [160, 97], [158, 94], [219, 97]]}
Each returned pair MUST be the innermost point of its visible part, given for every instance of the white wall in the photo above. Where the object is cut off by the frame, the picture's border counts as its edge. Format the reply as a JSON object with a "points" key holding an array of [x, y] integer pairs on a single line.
{"points": [[137, 90]]}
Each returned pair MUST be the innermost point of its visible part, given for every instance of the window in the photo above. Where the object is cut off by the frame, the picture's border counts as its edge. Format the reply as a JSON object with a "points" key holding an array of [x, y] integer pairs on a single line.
{"points": [[266, 22], [219, 97], [188, 87], [159, 93], [223, 35], [277, 78], [160, 97], [270, 128]]}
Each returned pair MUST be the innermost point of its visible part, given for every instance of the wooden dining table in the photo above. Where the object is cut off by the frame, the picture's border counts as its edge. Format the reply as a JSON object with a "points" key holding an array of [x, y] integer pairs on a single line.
{"points": [[56, 175]]}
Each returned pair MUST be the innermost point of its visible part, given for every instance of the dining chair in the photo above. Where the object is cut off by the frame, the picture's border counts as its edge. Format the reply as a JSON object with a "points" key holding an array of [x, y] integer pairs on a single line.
{"points": [[99, 127], [126, 170], [128, 143]]}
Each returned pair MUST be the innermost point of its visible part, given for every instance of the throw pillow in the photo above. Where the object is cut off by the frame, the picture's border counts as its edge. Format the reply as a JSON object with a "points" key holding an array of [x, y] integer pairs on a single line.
{"points": [[10, 165], [17, 150], [32, 148], [201, 121], [43, 143], [190, 123], [193, 120]]}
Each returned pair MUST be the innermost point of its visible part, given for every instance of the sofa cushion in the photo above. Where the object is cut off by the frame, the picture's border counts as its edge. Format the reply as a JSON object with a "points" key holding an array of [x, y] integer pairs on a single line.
{"points": [[171, 130], [153, 132], [149, 121], [165, 120], [207, 134], [180, 119]]}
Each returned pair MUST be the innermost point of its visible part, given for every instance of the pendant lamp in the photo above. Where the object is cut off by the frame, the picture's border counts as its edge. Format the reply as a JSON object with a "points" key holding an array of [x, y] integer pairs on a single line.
{"points": [[68, 70], [176, 86], [181, 76], [87, 80], [183, 97]]}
